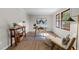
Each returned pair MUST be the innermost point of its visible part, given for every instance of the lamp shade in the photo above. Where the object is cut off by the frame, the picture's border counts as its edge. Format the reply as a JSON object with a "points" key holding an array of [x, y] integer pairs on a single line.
{"points": [[70, 19]]}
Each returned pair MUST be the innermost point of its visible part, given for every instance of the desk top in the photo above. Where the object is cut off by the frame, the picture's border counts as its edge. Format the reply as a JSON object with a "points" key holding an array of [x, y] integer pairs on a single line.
{"points": [[16, 28]]}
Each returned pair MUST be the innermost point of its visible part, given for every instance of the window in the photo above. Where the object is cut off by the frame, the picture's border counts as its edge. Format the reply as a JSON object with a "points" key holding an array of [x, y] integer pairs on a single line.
{"points": [[58, 21], [64, 17]]}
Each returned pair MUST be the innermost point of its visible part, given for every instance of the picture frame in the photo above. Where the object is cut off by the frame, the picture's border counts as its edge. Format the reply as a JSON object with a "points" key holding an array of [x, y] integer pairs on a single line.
{"points": [[41, 20]]}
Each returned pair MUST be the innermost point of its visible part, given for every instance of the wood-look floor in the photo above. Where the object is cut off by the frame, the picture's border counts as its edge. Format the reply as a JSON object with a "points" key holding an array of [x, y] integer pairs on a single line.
{"points": [[31, 42]]}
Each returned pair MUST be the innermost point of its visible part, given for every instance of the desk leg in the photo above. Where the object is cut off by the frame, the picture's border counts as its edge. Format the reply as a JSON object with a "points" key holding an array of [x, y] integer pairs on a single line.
{"points": [[25, 35], [15, 41], [35, 34], [11, 42], [11, 38]]}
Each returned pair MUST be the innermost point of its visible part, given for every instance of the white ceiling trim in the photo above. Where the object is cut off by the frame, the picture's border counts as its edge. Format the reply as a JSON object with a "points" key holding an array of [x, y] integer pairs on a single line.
{"points": [[41, 11]]}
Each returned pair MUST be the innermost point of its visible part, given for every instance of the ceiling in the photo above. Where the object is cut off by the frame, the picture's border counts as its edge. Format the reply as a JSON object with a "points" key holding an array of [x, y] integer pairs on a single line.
{"points": [[40, 11]]}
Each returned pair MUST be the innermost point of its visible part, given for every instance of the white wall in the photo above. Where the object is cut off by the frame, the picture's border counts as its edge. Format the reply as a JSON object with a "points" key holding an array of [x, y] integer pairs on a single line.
{"points": [[74, 14], [49, 21], [7, 17]]}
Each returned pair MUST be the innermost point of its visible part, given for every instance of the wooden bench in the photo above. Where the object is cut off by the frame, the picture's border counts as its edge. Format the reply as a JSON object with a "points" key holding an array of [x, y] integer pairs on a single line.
{"points": [[58, 42]]}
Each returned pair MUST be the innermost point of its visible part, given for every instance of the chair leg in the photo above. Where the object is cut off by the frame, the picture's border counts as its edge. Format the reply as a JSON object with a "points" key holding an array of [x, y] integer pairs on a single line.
{"points": [[53, 45], [73, 48]]}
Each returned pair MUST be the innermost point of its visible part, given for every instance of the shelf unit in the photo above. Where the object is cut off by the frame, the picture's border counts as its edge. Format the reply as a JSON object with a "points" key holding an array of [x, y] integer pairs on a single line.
{"points": [[16, 33]]}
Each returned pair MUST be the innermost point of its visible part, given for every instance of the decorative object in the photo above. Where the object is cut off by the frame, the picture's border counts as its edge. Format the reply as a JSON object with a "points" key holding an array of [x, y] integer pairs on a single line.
{"points": [[70, 19], [23, 21], [41, 21], [64, 17], [58, 21], [66, 40], [14, 24], [34, 24]]}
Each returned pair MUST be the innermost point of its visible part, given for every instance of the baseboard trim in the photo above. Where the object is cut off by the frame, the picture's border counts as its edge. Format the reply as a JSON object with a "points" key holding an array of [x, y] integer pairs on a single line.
{"points": [[4, 48]]}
